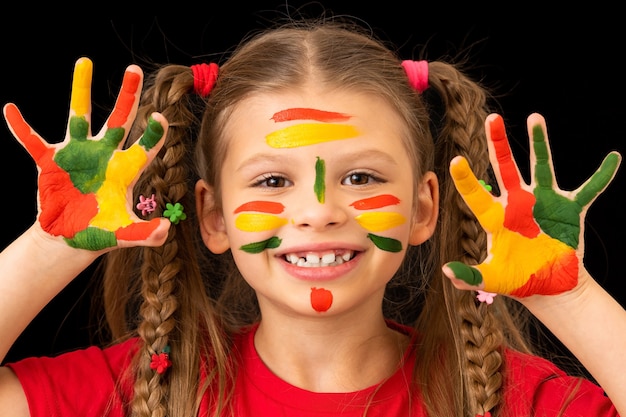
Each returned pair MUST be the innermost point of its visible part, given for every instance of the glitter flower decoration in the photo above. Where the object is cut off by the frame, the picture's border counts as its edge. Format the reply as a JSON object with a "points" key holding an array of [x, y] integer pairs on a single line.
{"points": [[485, 185], [175, 212], [146, 205]]}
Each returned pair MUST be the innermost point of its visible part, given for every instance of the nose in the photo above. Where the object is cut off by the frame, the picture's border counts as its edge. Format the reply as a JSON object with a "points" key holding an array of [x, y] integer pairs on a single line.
{"points": [[311, 214]]}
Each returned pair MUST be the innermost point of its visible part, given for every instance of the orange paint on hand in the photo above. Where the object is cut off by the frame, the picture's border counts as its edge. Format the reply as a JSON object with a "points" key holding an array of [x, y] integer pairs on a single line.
{"points": [[556, 276], [309, 114], [321, 299], [262, 206], [378, 201], [137, 231], [125, 100], [33, 143]]}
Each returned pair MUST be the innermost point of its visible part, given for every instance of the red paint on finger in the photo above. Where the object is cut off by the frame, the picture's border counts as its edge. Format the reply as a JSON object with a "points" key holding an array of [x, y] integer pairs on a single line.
{"points": [[506, 165], [33, 144], [125, 101], [321, 299], [518, 215], [137, 231]]}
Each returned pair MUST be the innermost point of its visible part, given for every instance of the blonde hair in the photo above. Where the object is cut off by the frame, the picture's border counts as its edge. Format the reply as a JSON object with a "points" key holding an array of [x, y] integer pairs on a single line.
{"points": [[194, 301]]}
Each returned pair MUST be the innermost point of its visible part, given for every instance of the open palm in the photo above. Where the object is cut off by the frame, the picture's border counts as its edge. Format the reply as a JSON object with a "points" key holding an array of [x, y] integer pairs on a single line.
{"points": [[85, 182]]}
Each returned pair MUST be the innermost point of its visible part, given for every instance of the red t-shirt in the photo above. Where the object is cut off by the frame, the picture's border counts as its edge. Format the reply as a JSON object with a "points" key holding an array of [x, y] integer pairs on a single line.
{"points": [[83, 383]]}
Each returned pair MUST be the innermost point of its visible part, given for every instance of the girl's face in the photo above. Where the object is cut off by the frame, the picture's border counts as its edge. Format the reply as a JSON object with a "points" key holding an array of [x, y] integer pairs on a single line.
{"points": [[318, 201]]}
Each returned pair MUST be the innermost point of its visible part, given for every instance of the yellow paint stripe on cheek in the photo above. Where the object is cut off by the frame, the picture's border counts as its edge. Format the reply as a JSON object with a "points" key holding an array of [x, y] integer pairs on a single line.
{"points": [[378, 221], [309, 134], [258, 222]]}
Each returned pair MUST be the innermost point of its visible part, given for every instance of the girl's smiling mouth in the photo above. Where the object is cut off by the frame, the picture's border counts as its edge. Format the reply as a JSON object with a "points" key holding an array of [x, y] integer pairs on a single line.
{"points": [[320, 259]]}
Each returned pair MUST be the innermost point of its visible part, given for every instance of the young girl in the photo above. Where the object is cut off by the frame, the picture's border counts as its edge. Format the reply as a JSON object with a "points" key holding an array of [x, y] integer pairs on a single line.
{"points": [[354, 255]]}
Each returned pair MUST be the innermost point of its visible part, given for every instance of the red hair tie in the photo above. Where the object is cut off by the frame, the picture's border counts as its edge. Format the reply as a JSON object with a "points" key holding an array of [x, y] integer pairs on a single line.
{"points": [[204, 77], [417, 72]]}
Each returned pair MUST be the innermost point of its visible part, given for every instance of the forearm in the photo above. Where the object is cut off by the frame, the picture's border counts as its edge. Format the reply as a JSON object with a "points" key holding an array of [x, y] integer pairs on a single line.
{"points": [[33, 269], [592, 325]]}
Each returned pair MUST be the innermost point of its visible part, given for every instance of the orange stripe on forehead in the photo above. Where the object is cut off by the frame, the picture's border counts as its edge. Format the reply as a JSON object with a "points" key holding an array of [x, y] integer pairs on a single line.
{"points": [[300, 113]]}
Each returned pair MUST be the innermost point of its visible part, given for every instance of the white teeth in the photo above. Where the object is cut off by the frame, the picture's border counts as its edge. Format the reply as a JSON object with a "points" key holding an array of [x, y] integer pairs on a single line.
{"points": [[314, 260]]}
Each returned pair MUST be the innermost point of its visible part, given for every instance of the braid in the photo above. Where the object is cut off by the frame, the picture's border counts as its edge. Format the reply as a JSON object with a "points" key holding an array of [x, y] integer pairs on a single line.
{"points": [[475, 328]]}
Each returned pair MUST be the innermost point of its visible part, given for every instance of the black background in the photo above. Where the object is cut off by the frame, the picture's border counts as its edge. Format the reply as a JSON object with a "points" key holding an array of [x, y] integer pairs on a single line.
{"points": [[564, 63]]}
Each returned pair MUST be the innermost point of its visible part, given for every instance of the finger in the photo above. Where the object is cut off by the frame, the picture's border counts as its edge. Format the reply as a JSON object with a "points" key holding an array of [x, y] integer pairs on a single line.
{"points": [[479, 200], [80, 101], [542, 167], [34, 144], [599, 180], [502, 160], [127, 100]]}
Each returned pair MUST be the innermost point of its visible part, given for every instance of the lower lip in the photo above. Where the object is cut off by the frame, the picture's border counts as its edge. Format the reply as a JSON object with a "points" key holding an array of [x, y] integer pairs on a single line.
{"points": [[322, 273]]}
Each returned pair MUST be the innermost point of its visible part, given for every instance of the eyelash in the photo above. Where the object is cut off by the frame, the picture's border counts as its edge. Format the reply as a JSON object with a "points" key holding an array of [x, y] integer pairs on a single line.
{"points": [[371, 178]]}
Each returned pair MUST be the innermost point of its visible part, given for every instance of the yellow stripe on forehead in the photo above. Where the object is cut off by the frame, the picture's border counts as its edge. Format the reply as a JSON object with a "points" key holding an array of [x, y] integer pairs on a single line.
{"points": [[305, 134]]}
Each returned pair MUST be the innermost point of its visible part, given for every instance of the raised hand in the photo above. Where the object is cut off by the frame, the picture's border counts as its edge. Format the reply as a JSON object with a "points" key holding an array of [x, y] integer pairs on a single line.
{"points": [[535, 231], [85, 182]]}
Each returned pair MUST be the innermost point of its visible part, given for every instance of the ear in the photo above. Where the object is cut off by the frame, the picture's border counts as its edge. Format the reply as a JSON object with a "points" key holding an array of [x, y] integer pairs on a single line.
{"points": [[426, 209], [212, 226]]}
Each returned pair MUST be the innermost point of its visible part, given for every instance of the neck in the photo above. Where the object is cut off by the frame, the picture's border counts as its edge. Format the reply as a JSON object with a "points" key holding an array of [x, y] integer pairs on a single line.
{"points": [[341, 354]]}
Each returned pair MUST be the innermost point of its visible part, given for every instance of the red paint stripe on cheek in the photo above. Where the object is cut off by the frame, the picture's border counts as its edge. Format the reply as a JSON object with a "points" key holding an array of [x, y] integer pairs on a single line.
{"points": [[321, 299], [262, 206], [308, 114], [376, 202]]}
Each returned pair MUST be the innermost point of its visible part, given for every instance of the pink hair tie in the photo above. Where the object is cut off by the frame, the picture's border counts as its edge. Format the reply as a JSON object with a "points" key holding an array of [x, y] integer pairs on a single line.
{"points": [[204, 77], [417, 72]]}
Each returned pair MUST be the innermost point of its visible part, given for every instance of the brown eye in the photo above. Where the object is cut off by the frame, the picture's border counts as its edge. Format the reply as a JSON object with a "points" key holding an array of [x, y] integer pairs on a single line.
{"points": [[358, 179], [275, 182]]}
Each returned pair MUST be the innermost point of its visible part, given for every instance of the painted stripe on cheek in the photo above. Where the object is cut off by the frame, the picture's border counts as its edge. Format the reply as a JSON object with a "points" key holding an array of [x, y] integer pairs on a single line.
{"points": [[262, 206], [376, 202], [378, 221], [253, 222]]}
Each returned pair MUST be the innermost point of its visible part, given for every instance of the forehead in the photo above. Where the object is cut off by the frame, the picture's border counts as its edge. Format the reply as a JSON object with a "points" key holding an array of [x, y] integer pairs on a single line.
{"points": [[261, 114]]}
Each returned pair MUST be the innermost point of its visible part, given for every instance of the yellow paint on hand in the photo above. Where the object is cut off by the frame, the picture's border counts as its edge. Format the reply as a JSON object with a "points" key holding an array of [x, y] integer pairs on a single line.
{"points": [[112, 195], [258, 222], [80, 101], [377, 221], [309, 134]]}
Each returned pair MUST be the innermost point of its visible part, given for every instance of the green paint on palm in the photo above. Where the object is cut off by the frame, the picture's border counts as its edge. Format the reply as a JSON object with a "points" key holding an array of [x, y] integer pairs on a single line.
{"points": [[258, 247], [320, 186], [84, 159], [93, 238], [385, 243], [557, 215]]}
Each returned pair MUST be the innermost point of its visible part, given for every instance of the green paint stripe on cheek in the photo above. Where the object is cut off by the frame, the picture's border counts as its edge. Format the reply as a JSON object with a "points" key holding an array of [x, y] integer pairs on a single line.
{"points": [[258, 247], [385, 243], [320, 186]]}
